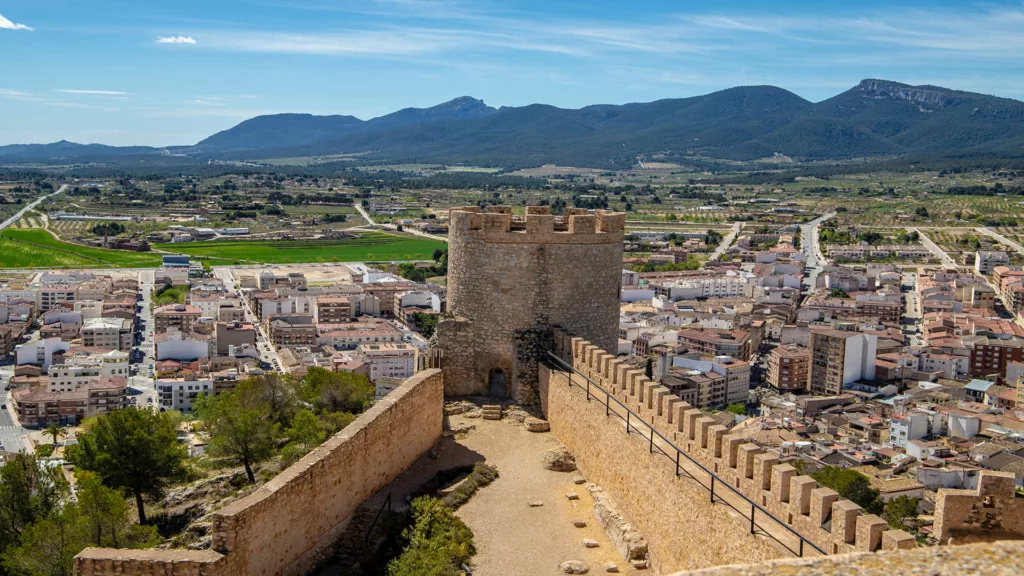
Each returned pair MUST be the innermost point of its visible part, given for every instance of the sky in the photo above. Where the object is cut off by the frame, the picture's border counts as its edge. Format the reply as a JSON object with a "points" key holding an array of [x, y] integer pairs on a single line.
{"points": [[158, 72]]}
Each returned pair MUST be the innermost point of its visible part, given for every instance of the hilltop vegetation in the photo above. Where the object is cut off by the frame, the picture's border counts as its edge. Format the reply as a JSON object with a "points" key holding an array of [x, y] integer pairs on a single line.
{"points": [[876, 118]]}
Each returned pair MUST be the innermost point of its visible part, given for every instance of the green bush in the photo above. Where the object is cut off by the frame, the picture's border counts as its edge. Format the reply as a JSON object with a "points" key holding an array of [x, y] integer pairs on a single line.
{"points": [[439, 543], [44, 450], [482, 475]]}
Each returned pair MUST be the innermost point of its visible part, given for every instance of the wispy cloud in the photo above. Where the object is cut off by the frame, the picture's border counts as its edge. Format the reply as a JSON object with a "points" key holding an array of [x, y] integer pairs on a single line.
{"points": [[13, 93], [93, 92], [6, 24], [175, 40]]}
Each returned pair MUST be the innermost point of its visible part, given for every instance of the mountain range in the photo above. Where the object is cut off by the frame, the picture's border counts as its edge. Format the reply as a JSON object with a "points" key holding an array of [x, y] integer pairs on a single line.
{"points": [[875, 118]]}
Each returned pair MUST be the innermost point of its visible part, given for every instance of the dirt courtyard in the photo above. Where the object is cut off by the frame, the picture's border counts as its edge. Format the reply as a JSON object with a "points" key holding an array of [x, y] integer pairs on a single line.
{"points": [[514, 538]]}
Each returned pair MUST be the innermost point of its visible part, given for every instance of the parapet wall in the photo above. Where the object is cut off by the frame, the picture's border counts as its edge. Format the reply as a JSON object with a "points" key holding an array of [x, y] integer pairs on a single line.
{"points": [[835, 525], [999, 559], [498, 225], [287, 525], [992, 511], [683, 529]]}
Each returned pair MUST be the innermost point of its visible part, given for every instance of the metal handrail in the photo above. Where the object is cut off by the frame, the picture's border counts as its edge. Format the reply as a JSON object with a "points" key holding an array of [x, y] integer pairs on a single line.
{"points": [[631, 415]]}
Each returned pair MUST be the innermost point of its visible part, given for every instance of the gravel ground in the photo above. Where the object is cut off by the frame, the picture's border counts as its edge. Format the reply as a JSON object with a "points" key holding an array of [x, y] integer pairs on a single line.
{"points": [[513, 538]]}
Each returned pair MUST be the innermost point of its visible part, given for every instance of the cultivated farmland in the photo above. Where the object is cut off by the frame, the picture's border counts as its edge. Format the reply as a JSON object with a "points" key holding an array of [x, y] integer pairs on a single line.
{"points": [[367, 246]]}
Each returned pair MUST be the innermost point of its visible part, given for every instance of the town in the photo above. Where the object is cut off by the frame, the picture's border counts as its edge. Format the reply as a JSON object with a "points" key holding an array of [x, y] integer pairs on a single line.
{"points": [[462, 288]]}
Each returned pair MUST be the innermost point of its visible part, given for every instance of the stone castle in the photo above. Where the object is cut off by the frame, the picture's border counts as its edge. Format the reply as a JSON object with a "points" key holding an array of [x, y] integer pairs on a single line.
{"points": [[520, 288], [511, 280]]}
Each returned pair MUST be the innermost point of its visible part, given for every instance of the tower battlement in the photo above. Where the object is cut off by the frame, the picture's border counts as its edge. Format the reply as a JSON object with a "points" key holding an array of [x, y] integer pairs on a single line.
{"points": [[512, 278], [498, 225]]}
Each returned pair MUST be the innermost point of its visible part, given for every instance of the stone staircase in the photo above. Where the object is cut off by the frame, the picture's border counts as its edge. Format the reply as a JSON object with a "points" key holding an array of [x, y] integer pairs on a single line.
{"points": [[492, 412]]}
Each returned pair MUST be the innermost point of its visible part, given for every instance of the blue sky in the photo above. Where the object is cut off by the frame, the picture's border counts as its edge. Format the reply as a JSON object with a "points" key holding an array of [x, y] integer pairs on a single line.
{"points": [[156, 72]]}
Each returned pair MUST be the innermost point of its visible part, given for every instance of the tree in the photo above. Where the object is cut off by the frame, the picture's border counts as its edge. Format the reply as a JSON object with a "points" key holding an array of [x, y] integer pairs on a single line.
{"points": [[29, 490], [649, 369], [838, 293], [281, 393], [136, 450], [54, 431], [306, 431], [239, 427], [108, 516], [851, 485], [901, 512], [331, 391], [738, 408], [48, 547]]}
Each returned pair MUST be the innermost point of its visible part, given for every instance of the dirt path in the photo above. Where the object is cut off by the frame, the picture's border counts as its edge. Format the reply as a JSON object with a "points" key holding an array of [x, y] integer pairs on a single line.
{"points": [[513, 538]]}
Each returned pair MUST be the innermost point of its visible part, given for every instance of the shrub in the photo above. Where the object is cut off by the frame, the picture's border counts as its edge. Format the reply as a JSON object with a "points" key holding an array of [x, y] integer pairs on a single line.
{"points": [[482, 475], [439, 543], [44, 450]]}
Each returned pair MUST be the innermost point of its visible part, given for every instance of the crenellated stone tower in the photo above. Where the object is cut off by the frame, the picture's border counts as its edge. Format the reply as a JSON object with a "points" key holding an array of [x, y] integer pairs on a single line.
{"points": [[512, 279]]}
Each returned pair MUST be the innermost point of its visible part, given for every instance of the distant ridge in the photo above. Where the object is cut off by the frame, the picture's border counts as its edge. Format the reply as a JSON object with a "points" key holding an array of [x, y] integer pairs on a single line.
{"points": [[874, 118]]}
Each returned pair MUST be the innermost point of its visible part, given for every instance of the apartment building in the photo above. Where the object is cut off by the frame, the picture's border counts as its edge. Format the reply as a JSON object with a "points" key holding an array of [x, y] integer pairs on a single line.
{"points": [[180, 393], [83, 369], [292, 330], [990, 353], [333, 309], [349, 335], [109, 333], [180, 316], [235, 334], [985, 261], [38, 406], [788, 368], [735, 343], [839, 358], [389, 360]]}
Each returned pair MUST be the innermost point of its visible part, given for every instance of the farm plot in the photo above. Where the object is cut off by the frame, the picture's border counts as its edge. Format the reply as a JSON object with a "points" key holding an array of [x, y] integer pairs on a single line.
{"points": [[365, 247], [38, 248]]}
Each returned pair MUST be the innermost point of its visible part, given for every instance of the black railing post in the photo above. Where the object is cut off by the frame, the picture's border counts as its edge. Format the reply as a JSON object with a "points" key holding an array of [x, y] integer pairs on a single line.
{"points": [[588, 389], [752, 510], [801, 554], [712, 489], [607, 399], [627, 421], [677, 463], [652, 439]]}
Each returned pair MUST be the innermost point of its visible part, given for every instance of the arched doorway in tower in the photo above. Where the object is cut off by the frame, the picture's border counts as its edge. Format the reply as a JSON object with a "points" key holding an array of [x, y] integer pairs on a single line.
{"points": [[496, 383]]}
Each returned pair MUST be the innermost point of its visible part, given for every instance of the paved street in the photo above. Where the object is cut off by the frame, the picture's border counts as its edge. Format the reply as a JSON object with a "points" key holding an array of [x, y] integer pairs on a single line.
{"points": [[996, 235], [812, 251], [31, 206], [144, 354], [727, 241], [267, 352], [934, 248]]}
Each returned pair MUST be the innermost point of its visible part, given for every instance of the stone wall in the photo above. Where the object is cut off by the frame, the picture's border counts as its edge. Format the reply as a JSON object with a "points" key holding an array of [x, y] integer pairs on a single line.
{"points": [[683, 529], [510, 276], [105, 562], [287, 525], [833, 524], [838, 526], [999, 559], [992, 511]]}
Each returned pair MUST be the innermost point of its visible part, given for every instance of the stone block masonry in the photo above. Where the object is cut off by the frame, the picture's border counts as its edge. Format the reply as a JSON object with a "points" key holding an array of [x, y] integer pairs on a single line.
{"points": [[290, 523], [999, 559], [833, 524], [511, 280], [683, 529]]}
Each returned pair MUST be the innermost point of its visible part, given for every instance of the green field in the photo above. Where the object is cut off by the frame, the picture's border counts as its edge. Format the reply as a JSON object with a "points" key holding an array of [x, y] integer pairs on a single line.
{"points": [[367, 247], [37, 248]]}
